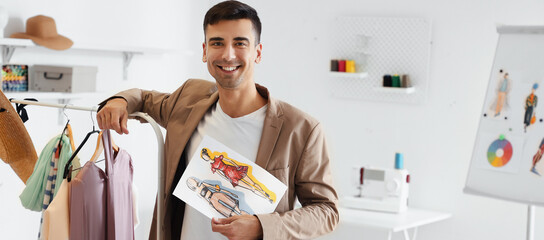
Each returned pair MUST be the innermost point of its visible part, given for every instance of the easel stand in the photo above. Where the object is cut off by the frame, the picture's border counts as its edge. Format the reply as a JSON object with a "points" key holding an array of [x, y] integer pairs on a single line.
{"points": [[160, 142], [531, 222]]}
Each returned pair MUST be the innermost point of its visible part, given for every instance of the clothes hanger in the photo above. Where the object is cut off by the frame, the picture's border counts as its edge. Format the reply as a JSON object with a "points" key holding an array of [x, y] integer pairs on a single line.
{"points": [[66, 127], [99, 148], [71, 137], [68, 167]]}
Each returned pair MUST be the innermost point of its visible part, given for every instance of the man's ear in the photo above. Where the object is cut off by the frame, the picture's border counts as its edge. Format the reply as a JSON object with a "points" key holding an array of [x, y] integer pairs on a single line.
{"points": [[204, 58], [259, 49]]}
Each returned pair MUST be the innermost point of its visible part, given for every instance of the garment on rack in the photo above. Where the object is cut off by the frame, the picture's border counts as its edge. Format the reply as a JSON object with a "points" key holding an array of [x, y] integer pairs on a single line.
{"points": [[56, 219], [88, 203], [119, 201], [50, 183], [33, 194], [101, 204]]}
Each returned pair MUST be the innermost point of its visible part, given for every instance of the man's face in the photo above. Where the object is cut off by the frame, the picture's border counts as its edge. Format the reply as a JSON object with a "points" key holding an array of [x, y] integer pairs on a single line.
{"points": [[230, 52]]}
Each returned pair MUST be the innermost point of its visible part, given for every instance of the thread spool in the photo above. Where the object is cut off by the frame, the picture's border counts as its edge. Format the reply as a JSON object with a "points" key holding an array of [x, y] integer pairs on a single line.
{"points": [[399, 161]]}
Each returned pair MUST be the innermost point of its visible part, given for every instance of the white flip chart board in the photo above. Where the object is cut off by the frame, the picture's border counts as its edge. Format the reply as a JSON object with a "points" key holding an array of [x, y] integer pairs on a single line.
{"points": [[510, 141]]}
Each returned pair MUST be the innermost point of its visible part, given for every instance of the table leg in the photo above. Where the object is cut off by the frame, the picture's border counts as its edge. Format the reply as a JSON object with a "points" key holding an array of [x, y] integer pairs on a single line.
{"points": [[414, 234], [389, 235], [407, 235]]}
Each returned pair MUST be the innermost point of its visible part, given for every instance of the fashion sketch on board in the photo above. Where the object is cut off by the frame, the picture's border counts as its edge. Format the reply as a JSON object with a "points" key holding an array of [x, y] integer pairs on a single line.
{"points": [[537, 157], [504, 85], [235, 173], [530, 105], [220, 199]]}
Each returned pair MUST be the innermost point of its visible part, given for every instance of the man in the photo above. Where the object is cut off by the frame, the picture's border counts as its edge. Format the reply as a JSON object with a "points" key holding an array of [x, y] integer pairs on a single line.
{"points": [[234, 110]]}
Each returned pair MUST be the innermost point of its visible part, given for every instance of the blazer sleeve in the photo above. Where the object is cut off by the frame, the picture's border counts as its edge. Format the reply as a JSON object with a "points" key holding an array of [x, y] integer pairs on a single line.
{"points": [[313, 186], [156, 104]]}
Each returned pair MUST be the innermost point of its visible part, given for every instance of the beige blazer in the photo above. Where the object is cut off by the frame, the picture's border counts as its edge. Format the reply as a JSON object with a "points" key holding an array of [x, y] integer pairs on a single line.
{"points": [[292, 148]]}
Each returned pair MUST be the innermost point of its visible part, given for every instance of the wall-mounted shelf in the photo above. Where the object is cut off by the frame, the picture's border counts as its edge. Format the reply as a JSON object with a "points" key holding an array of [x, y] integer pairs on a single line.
{"points": [[10, 44], [49, 95], [347, 74], [380, 46], [407, 90]]}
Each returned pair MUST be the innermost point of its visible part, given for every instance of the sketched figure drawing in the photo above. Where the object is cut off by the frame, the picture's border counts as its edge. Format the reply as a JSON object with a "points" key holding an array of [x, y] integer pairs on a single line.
{"points": [[530, 105], [503, 88], [237, 175], [223, 201], [537, 157]]}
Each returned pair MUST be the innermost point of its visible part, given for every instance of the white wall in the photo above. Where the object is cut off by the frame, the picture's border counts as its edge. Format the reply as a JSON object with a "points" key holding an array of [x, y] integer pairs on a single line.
{"points": [[147, 24], [436, 137]]}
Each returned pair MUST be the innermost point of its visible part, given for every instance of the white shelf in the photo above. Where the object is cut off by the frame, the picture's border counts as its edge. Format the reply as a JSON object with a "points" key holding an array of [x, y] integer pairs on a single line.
{"points": [[16, 42], [408, 90], [49, 95], [347, 74], [9, 45]]}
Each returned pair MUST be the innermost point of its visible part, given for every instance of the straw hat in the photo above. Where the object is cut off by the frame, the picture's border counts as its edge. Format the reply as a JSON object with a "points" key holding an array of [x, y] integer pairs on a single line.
{"points": [[43, 31], [16, 147]]}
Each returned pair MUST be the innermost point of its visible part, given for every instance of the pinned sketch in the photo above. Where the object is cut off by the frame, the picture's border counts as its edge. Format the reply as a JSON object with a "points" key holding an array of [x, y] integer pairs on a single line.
{"points": [[530, 105], [222, 200], [500, 152], [220, 182], [537, 167], [499, 106]]}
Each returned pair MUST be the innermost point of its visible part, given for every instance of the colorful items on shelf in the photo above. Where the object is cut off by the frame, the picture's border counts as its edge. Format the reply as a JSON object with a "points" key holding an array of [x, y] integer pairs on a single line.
{"points": [[401, 81], [343, 65], [14, 78]]}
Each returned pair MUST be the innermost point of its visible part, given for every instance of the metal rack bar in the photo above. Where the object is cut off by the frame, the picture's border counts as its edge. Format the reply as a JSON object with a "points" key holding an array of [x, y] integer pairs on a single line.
{"points": [[160, 142]]}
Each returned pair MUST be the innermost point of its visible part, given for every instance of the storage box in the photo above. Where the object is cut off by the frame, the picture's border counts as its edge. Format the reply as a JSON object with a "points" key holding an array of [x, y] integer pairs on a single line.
{"points": [[70, 79], [14, 78]]}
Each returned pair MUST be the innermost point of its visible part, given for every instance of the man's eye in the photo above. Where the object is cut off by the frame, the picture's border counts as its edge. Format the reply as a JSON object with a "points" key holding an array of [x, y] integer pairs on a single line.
{"points": [[241, 44], [216, 44]]}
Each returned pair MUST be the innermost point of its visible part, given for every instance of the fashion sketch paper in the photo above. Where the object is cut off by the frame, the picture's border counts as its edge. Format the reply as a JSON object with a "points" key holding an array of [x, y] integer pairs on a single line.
{"points": [[220, 182]]}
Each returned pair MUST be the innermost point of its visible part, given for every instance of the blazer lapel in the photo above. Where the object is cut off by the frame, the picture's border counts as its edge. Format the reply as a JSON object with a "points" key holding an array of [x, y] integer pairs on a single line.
{"points": [[184, 134], [271, 131]]}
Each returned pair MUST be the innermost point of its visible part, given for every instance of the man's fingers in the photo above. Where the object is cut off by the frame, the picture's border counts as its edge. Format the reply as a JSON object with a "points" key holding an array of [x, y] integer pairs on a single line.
{"points": [[124, 119], [99, 120], [219, 225]]}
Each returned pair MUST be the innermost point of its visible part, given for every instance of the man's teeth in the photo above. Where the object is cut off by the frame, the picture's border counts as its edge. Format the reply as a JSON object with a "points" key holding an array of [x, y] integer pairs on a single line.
{"points": [[229, 68]]}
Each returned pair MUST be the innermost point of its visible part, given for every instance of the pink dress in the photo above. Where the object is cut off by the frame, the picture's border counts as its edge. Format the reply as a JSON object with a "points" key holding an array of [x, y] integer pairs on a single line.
{"points": [[88, 203], [119, 211], [101, 202]]}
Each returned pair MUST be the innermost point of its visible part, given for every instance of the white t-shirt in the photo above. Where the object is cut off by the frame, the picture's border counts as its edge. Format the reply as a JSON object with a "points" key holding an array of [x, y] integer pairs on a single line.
{"points": [[242, 135]]}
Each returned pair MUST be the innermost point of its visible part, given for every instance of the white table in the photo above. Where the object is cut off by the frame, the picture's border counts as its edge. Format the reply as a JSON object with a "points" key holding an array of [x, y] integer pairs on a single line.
{"points": [[391, 222]]}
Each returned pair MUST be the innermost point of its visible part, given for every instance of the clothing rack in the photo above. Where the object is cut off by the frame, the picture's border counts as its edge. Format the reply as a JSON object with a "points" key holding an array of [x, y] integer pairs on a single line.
{"points": [[160, 142]]}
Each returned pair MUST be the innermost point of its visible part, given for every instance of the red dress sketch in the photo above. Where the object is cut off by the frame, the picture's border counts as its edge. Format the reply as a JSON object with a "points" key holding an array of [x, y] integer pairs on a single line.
{"points": [[233, 173], [237, 175]]}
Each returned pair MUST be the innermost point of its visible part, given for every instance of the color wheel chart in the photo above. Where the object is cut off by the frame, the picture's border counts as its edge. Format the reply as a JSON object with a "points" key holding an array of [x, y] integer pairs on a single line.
{"points": [[499, 152]]}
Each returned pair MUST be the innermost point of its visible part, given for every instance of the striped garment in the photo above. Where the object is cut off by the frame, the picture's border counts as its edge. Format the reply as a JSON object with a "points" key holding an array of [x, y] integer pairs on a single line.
{"points": [[50, 184]]}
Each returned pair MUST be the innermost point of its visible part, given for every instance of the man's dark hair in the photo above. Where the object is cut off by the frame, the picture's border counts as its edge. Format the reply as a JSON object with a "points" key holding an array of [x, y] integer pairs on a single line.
{"points": [[233, 10]]}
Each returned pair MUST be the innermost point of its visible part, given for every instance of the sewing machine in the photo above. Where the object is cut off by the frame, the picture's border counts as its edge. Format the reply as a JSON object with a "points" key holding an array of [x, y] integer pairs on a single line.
{"points": [[380, 189]]}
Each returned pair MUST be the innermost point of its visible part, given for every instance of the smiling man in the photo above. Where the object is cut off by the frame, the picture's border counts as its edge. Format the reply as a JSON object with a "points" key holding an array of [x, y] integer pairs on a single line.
{"points": [[242, 115]]}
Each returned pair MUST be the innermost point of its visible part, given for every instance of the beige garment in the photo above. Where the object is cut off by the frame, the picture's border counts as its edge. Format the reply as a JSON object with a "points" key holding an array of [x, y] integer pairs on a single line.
{"points": [[292, 148], [56, 219]]}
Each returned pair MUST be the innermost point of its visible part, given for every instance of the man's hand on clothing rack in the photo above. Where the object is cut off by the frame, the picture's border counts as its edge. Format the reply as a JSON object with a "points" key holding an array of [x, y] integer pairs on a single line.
{"points": [[114, 115]]}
